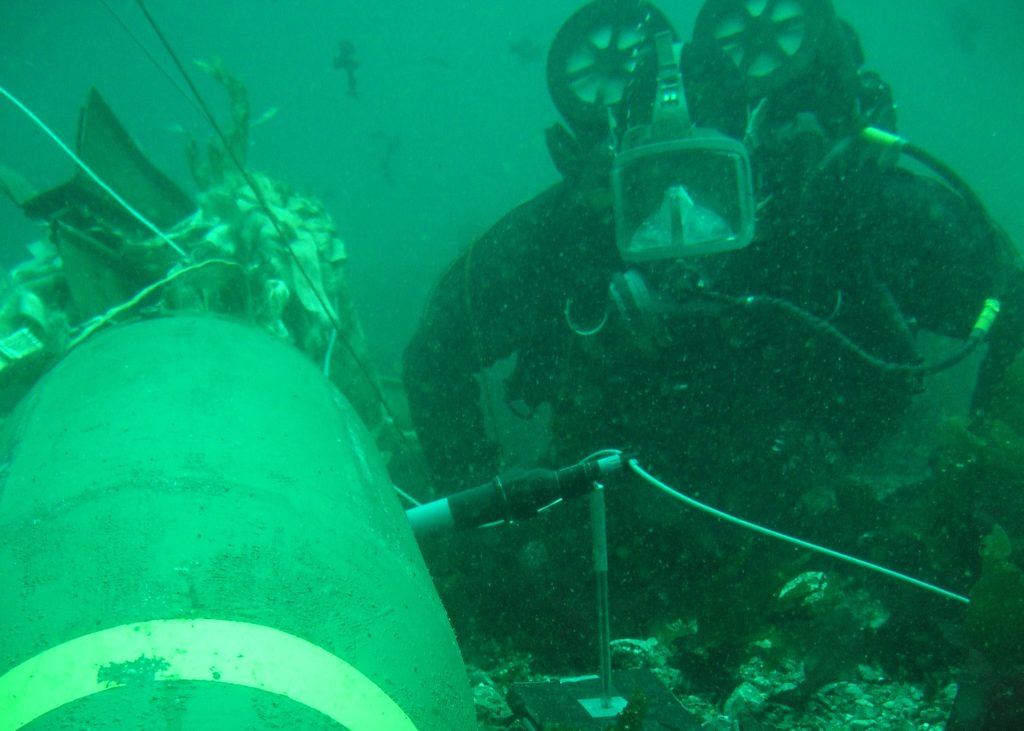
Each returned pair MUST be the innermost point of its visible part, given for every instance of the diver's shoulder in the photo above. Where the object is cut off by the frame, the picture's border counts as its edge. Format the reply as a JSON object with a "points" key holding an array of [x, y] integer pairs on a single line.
{"points": [[557, 194], [544, 208], [902, 186]]}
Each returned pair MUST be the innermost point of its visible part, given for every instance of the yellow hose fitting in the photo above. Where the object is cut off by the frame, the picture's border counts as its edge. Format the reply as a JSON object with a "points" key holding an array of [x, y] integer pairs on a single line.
{"points": [[878, 136], [986, 318]]}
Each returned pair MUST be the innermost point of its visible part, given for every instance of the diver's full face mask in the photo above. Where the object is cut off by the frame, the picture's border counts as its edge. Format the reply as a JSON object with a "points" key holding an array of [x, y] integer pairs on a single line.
{"points": [[683, 197], [678, 190]]}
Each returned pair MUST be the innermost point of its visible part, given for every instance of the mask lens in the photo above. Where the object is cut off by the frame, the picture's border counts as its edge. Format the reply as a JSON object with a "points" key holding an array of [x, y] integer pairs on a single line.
{"points": [[680, 225]]}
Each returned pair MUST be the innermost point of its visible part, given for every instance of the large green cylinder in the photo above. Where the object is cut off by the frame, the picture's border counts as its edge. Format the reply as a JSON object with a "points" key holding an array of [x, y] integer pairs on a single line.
{"points": [[197, 533]]}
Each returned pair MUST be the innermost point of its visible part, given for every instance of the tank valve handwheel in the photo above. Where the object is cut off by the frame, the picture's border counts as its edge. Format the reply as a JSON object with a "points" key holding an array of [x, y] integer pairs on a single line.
{"points": [[768, 41], [594, 55]]}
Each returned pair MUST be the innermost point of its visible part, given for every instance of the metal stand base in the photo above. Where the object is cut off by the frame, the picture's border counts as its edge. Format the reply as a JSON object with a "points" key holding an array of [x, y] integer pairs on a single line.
{"points": [[570, 702]]}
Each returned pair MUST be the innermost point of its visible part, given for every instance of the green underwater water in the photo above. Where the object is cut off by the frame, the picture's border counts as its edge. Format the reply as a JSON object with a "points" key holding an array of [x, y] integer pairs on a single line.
{"points": [[464, 118], [468, 114]]}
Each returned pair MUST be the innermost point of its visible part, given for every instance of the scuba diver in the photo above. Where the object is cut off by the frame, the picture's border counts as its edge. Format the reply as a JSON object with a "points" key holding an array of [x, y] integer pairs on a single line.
{"points": [[732, 268], [729, 279]]}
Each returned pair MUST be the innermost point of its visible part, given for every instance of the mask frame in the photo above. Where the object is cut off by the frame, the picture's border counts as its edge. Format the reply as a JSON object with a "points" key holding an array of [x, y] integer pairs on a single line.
{"points": [[683, 197], [679, 190]]}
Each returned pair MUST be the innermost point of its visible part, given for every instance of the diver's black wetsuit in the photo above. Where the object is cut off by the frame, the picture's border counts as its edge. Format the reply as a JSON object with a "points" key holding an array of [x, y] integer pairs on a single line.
{"points": [[732, 391], [719, 385]]}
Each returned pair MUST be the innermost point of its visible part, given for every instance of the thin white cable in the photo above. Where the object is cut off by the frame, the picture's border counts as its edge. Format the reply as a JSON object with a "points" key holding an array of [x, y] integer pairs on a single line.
{"points": [[330, 353], [408, 498], [87, 329], [88, 171], [686, 500]]}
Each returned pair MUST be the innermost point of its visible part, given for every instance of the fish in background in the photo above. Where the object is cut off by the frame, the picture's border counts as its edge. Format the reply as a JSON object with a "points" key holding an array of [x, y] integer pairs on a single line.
{"points": [[526, 50], [391, 144], [963, 25], [346, 61]]}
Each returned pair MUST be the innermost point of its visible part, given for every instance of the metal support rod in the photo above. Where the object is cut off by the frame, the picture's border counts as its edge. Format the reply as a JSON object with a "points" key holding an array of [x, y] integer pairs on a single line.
{"points": [[600, 538]]}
